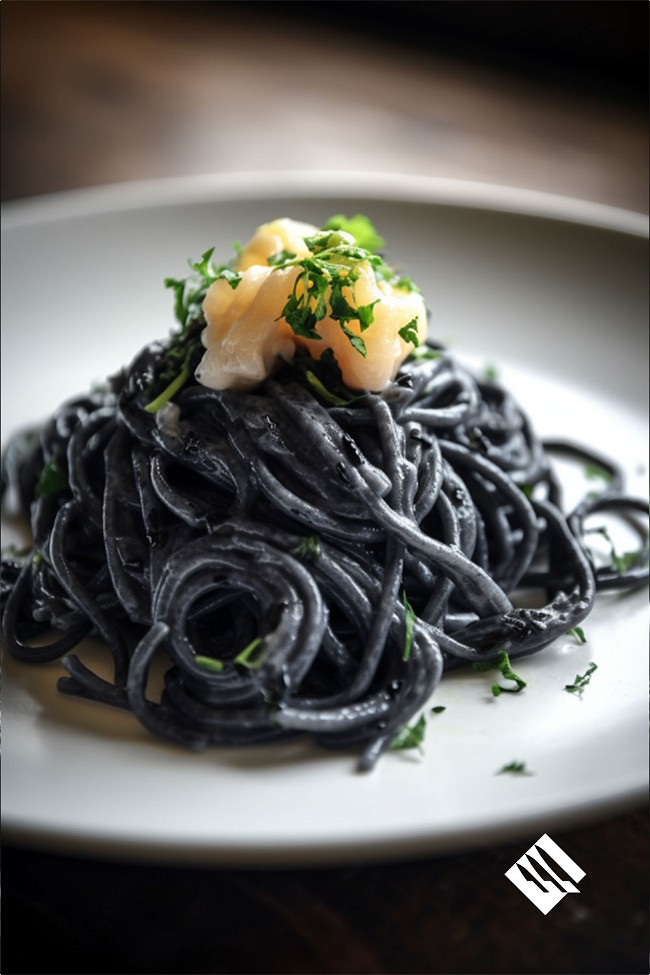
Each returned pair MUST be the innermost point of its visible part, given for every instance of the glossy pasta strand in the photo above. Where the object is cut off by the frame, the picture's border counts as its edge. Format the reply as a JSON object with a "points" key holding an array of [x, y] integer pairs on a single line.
{"points": [[263, 547]]}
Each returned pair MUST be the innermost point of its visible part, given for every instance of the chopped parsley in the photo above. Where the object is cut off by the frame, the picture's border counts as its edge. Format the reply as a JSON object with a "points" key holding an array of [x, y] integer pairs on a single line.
{"points": [[411, 736], [327, 278], [360, 227], [324, 287], [210, 663], [405, 283], [594, 472], [578, 634], [322, 376], [308, 549], [514, 768], [174, 386], [51, 482], [620, 561], [332, 267], [439, 708], [490, 373], [425, 352], [280, 257], [409, 626], [409, 332], [250, 657], [182, 354], [322, 391], [581, 680], [502, 663], [189, 292]]}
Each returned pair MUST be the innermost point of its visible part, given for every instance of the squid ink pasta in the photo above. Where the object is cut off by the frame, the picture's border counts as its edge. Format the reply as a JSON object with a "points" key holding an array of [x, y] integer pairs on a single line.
{"points": [[308, 554]]}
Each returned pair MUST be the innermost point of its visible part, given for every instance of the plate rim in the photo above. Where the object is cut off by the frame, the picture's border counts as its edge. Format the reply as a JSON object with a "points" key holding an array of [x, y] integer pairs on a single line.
{"points": [[257, 184], [222, 187], [322, 852]]}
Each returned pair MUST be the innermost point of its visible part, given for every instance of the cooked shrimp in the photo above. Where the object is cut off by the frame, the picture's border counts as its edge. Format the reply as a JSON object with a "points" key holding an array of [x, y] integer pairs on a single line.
{"points": [[246, 335]]}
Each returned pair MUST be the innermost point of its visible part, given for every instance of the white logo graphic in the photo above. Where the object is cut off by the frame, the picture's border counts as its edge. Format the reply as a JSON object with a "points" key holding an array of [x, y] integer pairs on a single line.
{"points": [[545, 874]]}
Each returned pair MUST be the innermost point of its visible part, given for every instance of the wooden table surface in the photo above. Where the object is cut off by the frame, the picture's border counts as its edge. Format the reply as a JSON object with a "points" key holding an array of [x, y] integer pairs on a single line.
{"points": [[105, 92]]}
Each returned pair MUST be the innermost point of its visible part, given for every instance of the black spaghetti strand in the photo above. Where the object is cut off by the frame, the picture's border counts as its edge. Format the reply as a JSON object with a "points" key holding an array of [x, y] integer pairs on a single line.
{"points": [[296, 567]]}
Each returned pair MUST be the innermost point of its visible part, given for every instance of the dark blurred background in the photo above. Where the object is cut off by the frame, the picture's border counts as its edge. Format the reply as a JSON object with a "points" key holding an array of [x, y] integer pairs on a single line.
{"points": [[549, 96], [600, 47]]}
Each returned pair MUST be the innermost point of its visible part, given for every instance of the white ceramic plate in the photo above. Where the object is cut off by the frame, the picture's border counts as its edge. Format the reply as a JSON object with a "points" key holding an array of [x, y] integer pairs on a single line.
{"points": [[553, 293]]}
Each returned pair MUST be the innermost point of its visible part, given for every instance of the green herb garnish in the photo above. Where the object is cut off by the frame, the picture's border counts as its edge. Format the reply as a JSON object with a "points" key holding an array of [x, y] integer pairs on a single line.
{"points": [[52, 481], [324, 286], [189, 292], [308, 549], [411, 736], [439, 708], [594, 472], [514, 768], [409, 332], [360, 227], [490, 373], [252, 650], [623, 561], [578, 633], [330, 270], [409, 626], [405, 283], [581, 680], [280, 257], [184, 348], [502, 663], [210, 663], [170, 390], [243, 658], [424, 352], [322, 278], [322, 376], [322, 391]]}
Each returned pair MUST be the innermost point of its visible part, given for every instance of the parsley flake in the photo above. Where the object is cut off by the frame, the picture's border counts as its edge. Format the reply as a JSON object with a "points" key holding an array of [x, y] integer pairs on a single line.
{"points": [[424, 352], [411, 736], [360, 227], [409, 626], [514, 768], [52, 481], [409, 332], [620, 561], [578, 633], [581, 680], [210, 663], [502, 663], [308, 549], [243, 658], [280, 257], [184, 348], [326, 279], [490, 373], [405, 283], [251, 657], [594, 472]]}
